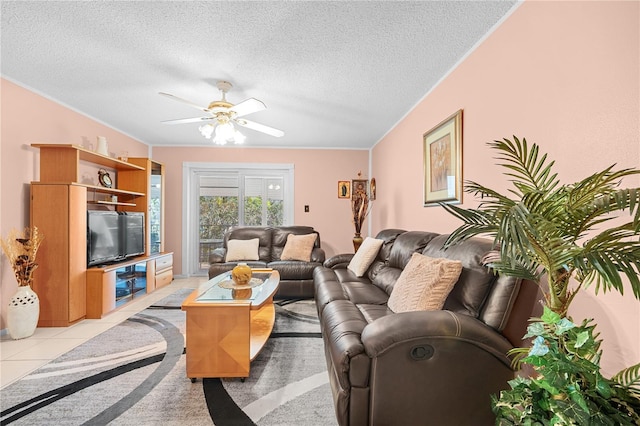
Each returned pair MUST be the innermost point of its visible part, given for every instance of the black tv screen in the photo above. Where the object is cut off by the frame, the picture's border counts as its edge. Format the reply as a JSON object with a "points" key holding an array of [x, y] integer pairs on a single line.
{"points": [[113, 236], [103, 237], [133, 233]]}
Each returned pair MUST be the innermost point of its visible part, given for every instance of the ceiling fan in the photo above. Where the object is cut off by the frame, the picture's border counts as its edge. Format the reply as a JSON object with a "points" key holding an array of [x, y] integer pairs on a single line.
{"points": [[222, 115]]}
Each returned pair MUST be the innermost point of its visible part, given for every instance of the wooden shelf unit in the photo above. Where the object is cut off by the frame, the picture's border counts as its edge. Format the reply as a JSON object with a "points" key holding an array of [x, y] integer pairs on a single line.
{"points": [[59, 203], [141, 182]]}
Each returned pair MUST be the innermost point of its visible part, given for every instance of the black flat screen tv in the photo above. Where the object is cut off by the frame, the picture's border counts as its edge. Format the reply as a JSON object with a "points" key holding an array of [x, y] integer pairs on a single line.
{"points": [[133, 233], [113, 236]]}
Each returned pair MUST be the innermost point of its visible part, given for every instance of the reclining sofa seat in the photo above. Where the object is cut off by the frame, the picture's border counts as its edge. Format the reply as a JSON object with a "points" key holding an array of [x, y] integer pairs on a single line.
{"points": [[425, 367], [296, 277]]}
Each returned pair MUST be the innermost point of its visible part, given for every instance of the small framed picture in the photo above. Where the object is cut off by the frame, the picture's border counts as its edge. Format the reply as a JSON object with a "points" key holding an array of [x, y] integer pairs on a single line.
{"points": [[372, 189], [344, 189], [443, 162], [359, 186]]}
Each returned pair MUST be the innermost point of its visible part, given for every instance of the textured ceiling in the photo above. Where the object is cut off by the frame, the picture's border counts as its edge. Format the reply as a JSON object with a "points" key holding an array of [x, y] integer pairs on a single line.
{"points": [[332, 73]]}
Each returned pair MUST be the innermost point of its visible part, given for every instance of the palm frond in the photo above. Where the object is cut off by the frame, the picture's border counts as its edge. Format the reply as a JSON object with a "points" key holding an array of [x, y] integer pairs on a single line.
{"points": [[629, 378], [475, 222], [591, 199], [531, 172], [609, 254]]}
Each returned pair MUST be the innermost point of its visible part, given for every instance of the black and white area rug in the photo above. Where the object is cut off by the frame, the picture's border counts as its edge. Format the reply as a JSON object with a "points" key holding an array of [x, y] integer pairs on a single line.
{"points": [[134, 374]]}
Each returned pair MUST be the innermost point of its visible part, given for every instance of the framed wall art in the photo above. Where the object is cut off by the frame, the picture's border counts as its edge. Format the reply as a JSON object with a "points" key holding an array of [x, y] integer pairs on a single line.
{"points": [[372, 189], [443, 162], [359, 186], [344, 189]]}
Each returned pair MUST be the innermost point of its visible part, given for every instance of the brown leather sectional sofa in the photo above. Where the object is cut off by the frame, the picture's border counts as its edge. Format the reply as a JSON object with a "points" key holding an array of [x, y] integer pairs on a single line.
{"points": [[421, 367], [296, 277]]}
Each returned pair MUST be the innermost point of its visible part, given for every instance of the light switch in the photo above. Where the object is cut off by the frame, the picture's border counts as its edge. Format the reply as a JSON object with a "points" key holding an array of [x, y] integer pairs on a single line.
{"points": [[306, 209]]}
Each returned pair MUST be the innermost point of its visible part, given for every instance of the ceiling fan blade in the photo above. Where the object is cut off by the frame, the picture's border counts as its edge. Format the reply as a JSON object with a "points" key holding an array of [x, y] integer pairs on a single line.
{"points": [[187, 120], [248, 106], [184, 101], [260, 128]]}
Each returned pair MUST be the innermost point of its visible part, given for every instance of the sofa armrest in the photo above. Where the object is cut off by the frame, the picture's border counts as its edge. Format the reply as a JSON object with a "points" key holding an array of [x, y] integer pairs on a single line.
{"points": [[218, 255], [338, 261], [448, 366], [434, 328], [318, 255]]}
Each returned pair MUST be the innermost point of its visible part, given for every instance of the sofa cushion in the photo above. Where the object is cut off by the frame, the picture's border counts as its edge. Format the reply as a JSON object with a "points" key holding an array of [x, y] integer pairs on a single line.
{"points": [[404, 245], [293, 270], [424, 284], [365, 256], [242, 250], [262, 233], [298, 247], [476, 280]]}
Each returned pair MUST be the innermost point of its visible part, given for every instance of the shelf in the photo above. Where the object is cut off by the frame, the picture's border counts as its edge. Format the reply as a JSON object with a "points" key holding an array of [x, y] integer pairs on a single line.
{"points": [[93, 157], [95, 188], [131, 261], [112, 203]]}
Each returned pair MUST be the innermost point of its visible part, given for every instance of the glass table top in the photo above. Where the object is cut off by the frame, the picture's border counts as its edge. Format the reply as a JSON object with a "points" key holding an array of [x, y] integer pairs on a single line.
{"points": [[221, 288]]}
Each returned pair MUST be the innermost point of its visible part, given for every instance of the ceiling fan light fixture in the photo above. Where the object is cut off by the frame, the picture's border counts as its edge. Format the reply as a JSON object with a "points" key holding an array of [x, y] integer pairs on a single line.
{"points": [[222, 114], [206, 130], [239, 138], [222, 133], [225, 131]]}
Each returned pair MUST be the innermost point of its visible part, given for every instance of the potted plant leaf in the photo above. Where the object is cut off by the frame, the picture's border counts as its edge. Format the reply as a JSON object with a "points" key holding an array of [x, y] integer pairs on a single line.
{"points": [[574, 235]]}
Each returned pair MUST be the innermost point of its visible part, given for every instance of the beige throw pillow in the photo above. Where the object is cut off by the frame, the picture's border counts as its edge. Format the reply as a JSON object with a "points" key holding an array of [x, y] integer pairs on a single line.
{"points": [[242, 250], [424, 284], [298, 247], [365, 256]]}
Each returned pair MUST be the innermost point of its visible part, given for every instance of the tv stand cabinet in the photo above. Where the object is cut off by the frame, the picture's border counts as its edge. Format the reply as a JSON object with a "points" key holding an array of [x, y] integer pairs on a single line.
{"points": [[59, 204], [105, 289]]}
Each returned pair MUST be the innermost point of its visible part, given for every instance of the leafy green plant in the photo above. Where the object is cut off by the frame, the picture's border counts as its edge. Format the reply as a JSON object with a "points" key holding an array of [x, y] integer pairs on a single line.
{"points": [[544, 228], [568, 388]]}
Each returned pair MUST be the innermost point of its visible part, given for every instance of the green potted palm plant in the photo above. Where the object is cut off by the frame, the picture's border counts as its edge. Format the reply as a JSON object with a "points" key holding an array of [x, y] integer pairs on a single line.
{"points": [[543, 228]]}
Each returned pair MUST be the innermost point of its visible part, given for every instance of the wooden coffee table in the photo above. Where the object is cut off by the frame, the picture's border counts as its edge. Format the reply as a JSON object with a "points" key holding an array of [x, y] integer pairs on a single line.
{"points": [[226, 328]]}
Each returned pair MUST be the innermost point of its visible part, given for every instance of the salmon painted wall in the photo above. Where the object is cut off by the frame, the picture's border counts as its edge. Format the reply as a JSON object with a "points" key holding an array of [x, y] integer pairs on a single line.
{"points": [[29, 118], [317, 173], [565, 75]]}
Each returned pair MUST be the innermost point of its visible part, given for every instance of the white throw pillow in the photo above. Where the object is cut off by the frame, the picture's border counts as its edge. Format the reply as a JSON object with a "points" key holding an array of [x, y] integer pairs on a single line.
{"points": [[242, 250], [365, 256], [424, 284], [298, 247]]}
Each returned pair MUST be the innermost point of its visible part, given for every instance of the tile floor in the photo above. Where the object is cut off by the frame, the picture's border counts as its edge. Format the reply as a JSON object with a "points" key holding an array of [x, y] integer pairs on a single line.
{"points": [[20, 357]]}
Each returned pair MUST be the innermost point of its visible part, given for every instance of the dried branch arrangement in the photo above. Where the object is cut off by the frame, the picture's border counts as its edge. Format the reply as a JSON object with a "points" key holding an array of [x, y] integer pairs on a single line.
{"points": [[21, 251]]}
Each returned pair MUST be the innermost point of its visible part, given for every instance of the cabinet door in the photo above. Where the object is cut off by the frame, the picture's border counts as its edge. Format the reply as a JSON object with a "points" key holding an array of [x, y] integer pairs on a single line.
{"points": [[59, 212], [156, 208], [77, 253]]}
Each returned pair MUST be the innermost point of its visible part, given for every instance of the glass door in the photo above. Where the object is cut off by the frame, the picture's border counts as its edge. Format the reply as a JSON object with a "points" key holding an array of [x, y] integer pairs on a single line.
{"points": [[156, 212]]}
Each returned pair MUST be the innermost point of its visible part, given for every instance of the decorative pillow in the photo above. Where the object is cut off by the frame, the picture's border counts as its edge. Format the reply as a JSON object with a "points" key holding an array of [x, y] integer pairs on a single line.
{"points": [[242, 250], [365, 256], [298, 247], [424, 284]]}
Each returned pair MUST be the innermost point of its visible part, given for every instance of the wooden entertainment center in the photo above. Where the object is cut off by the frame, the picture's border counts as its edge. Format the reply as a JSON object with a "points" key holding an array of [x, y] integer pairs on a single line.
{"points": [[68, 290]]}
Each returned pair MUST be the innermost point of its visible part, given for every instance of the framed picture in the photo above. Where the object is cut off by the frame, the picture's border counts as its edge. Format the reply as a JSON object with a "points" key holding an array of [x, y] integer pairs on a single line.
{"points": [[443, 162], [372, 188], [358, 186], [344, 189]]}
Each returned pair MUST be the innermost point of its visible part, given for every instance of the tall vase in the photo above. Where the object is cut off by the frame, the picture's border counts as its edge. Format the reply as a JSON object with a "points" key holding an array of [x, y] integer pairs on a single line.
{"points": [[23, 313], [103, 148], [357, 241]]}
